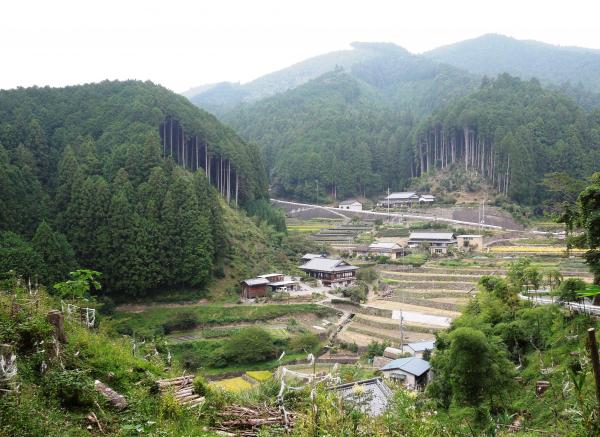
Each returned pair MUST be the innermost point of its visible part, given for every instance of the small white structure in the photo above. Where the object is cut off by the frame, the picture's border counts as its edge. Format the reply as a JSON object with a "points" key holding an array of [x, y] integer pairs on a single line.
{"points": [[427, 198], [351, 205], [392, 352], [413, 372], [470, 242], [418, 348]]}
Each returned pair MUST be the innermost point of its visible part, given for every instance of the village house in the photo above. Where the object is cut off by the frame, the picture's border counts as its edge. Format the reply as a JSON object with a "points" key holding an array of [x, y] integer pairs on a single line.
{"points": [[418, 348], [284, 285], [351, 205], [438, 242], [400, 198], [255, 287], [389, 249], [413, 372], [470, 243], [331, 272], [371, 396]]}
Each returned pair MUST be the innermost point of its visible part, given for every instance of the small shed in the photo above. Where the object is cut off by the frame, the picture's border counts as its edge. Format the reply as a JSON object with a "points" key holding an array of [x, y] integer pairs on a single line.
{"points": [[371, 396], [418, 348], [255, 287], [413, 372], [351, 205], [427, 198], [392, 352], [308, 256], [469, 243]]}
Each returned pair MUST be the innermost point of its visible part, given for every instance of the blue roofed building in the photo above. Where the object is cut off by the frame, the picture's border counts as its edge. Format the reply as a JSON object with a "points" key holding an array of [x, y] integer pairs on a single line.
{"points": [[413, 372]]}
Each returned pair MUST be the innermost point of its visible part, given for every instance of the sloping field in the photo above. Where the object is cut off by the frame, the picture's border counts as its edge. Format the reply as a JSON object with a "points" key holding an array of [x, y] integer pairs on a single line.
{"points": [[399, 306]]}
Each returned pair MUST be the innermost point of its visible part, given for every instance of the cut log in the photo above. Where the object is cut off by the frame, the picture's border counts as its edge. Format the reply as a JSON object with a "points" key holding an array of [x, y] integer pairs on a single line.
{"points": [[541, 387], [114, 399]]}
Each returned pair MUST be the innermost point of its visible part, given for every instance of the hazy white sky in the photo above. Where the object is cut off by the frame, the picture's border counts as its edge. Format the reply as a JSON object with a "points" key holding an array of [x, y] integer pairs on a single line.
{"points": [[181, 44]]}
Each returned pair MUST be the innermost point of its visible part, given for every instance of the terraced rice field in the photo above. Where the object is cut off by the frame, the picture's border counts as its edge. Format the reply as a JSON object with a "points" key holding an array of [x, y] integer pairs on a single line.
{"points": [[235, 385]]}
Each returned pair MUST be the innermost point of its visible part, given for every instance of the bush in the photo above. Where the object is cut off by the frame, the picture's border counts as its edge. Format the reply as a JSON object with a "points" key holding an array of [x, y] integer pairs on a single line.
{"points": [[305, 343], [201, 388], [72, 388], [181, 322], [375, 349], [251, 345], [567, 290]]}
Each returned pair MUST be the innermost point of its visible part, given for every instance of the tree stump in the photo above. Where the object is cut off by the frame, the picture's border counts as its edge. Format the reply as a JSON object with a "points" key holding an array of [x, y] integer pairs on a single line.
{"points": [[115, 399], [57, 319]]}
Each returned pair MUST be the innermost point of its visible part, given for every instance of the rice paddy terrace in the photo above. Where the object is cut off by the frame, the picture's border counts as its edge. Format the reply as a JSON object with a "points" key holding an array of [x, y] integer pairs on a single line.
{"points": [[429, 297]]}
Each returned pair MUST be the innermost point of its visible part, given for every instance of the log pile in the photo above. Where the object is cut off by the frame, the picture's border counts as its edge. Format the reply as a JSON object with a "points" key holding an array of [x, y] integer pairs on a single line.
{"points": [[182, 389], [246, 422]]}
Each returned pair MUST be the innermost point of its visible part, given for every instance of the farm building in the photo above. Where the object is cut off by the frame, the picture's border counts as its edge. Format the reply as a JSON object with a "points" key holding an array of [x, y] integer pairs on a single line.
{"points": [[351, 205], [470, 242], [331, 272], [438, 241], [371, 396], [392, 352], [413, 372], [272, 277], [308, 256], [391, 250], [401, 198], [427, 198], [255, 287], [418, 348]]}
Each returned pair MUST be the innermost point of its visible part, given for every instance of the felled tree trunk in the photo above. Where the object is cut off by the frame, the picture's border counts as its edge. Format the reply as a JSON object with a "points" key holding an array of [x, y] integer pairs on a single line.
{"points": [[115, 399]]}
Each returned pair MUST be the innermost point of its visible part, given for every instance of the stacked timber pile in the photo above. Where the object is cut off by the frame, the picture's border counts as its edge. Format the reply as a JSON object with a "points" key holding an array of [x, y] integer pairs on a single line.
{"points": [[182, 389], [246, 422]]}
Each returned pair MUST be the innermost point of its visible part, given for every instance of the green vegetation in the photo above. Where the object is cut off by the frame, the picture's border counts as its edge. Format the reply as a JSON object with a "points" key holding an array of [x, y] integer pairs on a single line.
{"points": [[152, 321], [83, 183]]}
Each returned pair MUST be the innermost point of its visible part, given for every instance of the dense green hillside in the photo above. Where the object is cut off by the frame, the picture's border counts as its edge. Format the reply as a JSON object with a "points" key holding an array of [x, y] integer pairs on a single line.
{"points": [[493, 54], [85, 163], [348, 129], [511, 132]]}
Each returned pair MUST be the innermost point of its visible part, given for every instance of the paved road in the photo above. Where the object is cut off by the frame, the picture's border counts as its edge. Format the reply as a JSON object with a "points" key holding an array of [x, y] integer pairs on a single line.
{"points": [[392, 215], [575, 306]]}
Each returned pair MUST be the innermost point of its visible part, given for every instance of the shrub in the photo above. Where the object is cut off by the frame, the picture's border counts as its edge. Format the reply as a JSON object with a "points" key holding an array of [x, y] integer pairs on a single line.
{"points": [[305, 343], [181, 322], [72, 388], [567, 290], [250, 346], [200, 386]]}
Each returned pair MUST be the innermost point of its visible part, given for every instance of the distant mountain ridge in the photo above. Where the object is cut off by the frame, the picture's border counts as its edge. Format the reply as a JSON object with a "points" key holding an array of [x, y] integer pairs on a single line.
{"points": [[493, 54]]}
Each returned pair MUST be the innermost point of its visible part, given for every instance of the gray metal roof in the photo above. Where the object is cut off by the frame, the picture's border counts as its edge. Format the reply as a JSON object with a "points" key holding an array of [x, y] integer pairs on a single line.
{"points": [[255, 281], [420, 346], [431, 236], [413, 365], [385, 246], [308, 256], [349, 202], [401, 195], [327, 265], [371, 395]]}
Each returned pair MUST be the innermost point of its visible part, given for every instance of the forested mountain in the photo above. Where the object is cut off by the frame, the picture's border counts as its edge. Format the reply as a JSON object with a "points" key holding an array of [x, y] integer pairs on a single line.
{"points": [[84, 179], [511, 132], [348, 129], [361, 129], [222, 97], [493, 54]]}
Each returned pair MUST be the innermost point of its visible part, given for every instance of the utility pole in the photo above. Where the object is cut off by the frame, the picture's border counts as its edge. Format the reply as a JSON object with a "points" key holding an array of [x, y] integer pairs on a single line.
{"points": [[388, 202], [401, 333], [317, 193]]}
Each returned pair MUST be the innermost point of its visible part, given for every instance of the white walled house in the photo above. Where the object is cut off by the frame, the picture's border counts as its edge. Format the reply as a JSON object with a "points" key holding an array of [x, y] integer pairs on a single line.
{"points": [[418, 348], [351, 205], [427, 198]]}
